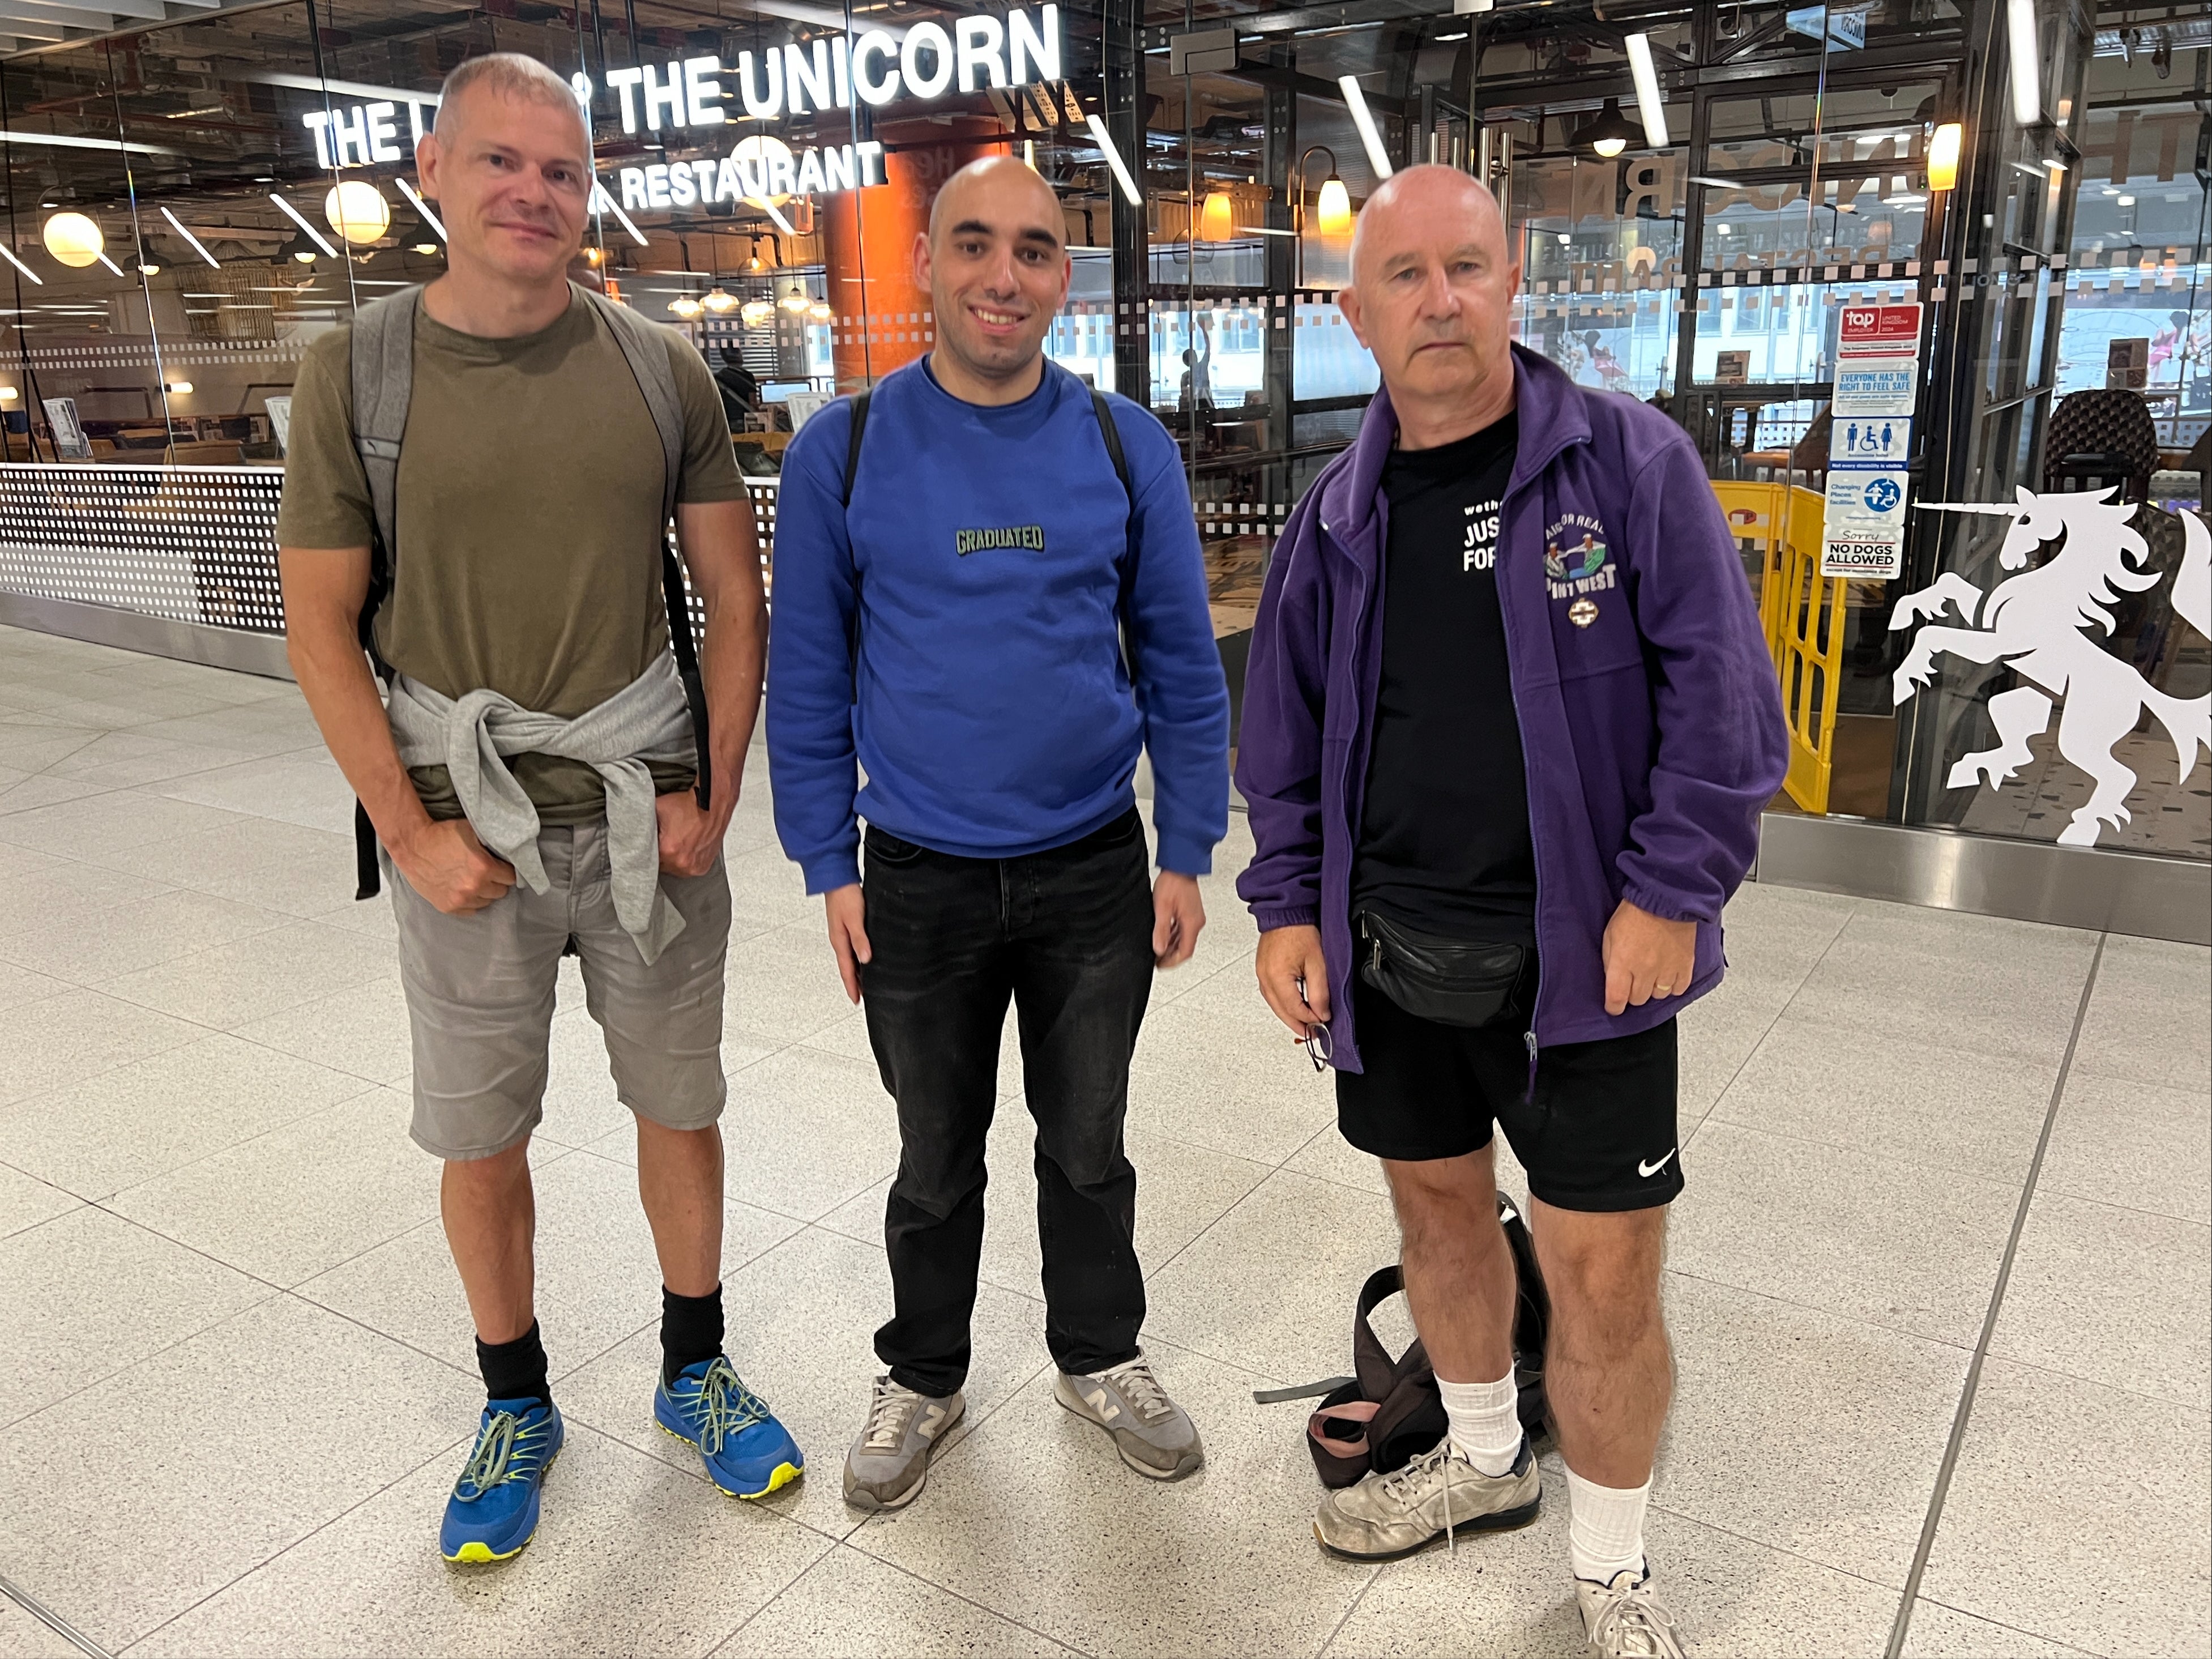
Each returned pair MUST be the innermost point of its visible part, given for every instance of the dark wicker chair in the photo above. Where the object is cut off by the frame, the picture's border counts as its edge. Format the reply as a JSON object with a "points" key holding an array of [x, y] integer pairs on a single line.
{"points": [[2098, 439]]}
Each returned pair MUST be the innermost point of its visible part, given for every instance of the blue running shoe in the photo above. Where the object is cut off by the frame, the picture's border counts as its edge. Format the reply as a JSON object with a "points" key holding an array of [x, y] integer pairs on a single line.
{"points": [[747, 1452], [494, 1510]]}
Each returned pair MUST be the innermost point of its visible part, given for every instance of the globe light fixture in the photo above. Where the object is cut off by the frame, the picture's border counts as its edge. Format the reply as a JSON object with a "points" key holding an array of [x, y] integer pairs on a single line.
{"points": [[74, 240], [719, 299], [685, 306], [357, 211], [820, 312], [757, 313], [796, 300], [1610, 133]]}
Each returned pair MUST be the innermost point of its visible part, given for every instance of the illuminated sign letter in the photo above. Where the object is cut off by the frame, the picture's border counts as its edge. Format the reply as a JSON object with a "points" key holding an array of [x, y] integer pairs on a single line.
{"points": [[729, 181], [658, 97], [870, 155], [981, 44], [838, 168], [769, 103], [875, 44], [350, 138], [624, 81], [779, 180], [933, 38], [702, 93], [656, 186], [633, 187], [1032, 55], [318, 121], [683, 186], [383, 132], [810, 180], [804, 80]]}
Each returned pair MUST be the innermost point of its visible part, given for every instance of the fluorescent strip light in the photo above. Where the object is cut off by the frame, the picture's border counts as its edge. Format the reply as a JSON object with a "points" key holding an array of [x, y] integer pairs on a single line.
{"points": [[1378, 159], [299, 219], [21, 266], [2027, 63], [316, 83], [65, 141], [1649, 103], [423, 208], [179, 225], [1114, 160], [111, 264], [601, 202], [764, 206]]}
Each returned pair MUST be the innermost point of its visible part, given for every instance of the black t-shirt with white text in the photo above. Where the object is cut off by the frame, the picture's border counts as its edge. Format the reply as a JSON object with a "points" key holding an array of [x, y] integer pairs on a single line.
{"points": [[1444, 844]]}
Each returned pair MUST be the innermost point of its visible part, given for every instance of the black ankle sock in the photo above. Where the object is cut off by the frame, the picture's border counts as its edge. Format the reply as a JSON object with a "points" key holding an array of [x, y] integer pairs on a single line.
{"points": [[516, 1370], [690, 1329]]}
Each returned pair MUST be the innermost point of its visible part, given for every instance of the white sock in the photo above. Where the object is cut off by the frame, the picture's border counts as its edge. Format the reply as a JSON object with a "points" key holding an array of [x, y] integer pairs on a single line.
{"points": [[1485, 1424], [1605, 1528]]}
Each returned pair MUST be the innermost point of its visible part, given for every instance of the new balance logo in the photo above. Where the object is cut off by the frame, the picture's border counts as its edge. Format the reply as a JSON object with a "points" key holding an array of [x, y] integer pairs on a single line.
{"points": [[930, 1420], [1647, 1170], [1097, 1400]]}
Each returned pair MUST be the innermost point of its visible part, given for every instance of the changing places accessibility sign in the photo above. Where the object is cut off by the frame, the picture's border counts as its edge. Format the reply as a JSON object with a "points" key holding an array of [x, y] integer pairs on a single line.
{"points": [[1870, 441]]}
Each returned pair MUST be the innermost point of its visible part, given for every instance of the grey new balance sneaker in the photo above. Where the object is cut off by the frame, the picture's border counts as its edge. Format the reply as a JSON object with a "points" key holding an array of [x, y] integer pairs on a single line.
{"points": [[1625, 1620], [1155, 1436], [890, 1460], [1435, 1496]]}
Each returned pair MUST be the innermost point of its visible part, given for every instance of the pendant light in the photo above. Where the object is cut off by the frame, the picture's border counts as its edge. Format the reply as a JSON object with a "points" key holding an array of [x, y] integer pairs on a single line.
{"points": [[1611, 133]]}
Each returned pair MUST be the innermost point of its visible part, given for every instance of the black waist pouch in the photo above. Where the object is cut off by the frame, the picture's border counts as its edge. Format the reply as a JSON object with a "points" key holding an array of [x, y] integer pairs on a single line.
{"points": [[1451, 981]]}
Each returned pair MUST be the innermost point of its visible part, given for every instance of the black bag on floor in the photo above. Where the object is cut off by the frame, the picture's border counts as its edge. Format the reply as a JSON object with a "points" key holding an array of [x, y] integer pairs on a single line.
{"points": [[1389, 1411]]}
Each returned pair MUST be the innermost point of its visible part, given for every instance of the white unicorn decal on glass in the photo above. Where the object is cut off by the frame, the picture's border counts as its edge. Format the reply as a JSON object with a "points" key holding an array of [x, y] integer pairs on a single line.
{"points": [[2035, 622]]}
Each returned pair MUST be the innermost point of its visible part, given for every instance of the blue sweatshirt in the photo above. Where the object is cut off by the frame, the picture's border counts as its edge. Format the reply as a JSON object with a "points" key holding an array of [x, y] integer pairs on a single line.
{"points": [[976, 577]]}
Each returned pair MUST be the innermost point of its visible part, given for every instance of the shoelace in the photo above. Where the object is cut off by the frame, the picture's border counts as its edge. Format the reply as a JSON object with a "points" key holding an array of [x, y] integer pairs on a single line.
{"points": [[490, 1462], [1634, 1616], [725, 1405], [1141, 1389], [892, 1409], [1399, 1486]]}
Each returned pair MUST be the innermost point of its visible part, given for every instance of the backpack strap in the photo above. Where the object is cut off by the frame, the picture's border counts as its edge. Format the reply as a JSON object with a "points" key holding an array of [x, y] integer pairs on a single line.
{"points": [[852, 444], [645, 349], [382, 363], [1112, 434]]}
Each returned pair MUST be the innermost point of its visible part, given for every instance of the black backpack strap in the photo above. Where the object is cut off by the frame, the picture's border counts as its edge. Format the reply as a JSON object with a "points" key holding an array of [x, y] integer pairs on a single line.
{"points": [[852, 443], [1112, 434]]}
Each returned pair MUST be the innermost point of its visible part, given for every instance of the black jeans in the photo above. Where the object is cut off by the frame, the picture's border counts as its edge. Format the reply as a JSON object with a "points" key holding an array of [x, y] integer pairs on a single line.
{"points": [[1067, 936]]}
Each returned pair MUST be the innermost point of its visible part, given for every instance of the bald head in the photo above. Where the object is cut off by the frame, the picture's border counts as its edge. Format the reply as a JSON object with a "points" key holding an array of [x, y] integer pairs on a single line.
{"points": [[1419, 196], [995, 263], [998, 187], [1432, 297]]}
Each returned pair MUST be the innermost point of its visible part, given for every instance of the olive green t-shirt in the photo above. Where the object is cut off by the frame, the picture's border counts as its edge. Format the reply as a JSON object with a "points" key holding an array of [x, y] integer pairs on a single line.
{"points": [[528, 510]]}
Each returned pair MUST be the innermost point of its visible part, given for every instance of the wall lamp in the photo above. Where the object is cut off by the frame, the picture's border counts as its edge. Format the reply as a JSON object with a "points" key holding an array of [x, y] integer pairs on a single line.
{"points": [[1943, 155], [1332, 208]]}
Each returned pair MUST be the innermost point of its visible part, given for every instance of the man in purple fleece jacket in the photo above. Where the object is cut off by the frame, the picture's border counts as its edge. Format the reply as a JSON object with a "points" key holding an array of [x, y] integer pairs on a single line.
{"points": [[1509, 724]]}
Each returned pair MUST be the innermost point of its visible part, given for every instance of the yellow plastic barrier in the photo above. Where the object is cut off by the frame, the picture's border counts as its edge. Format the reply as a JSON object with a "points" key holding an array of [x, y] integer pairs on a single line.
{"points": [[1802, 615]]}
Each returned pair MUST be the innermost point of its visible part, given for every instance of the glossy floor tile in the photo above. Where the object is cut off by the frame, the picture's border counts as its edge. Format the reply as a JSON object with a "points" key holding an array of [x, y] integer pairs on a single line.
{"points": [[234, 1354]]}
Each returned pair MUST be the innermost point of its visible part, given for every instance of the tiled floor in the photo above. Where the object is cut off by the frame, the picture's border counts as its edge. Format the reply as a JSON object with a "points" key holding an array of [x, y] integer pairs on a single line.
{"points": [[235, 1373]]}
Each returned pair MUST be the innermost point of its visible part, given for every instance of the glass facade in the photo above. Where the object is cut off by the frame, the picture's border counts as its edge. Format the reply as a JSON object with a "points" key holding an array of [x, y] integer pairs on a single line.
{"points": [[1881, 262]]}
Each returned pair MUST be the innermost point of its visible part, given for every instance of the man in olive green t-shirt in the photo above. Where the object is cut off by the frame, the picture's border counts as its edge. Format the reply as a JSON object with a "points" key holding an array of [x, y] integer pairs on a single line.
{"points": [[526, 599]]}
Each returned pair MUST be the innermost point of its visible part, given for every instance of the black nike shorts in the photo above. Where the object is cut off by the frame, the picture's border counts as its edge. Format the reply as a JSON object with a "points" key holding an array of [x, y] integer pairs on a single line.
{"points": [[1597, 1133]]}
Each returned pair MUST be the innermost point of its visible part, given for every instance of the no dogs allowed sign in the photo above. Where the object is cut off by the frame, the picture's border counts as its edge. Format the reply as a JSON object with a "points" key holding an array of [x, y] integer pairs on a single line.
{"points": [[1870, 441]]}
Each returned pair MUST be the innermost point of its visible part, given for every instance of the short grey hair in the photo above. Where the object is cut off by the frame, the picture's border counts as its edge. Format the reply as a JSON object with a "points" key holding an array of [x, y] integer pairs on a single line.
{"points": [[510, 75]]}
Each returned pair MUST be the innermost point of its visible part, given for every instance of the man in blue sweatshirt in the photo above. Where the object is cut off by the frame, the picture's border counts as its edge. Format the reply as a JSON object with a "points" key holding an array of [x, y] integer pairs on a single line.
{"points": [[989, 595]]}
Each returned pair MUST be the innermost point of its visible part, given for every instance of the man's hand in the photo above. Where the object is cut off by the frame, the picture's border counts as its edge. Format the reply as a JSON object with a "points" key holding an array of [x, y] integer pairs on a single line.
{"points": [[1288, 956], [1178, 915], [1646, 956], [690, 839], [445, 863], [849, 934]]}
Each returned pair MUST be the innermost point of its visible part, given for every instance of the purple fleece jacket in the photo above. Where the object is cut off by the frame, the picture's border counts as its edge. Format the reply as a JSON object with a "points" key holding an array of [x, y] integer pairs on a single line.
{"points": [[1650, 717]]}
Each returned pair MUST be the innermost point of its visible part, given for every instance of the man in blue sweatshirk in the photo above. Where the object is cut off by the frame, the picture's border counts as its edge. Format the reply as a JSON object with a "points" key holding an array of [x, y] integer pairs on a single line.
{"points": [[993, 612]]}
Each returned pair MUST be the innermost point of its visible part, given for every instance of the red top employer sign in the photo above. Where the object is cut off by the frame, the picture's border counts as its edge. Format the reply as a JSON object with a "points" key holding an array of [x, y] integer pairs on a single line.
{"points": [[1880, 330]]}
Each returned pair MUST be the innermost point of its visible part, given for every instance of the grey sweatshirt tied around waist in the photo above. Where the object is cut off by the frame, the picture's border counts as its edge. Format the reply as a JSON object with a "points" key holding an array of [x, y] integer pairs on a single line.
{"points": [[647, 720]]}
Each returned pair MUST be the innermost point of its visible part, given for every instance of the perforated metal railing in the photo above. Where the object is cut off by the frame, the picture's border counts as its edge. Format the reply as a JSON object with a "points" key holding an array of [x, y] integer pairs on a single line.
{"points": [[193, 544], [184, 543]]}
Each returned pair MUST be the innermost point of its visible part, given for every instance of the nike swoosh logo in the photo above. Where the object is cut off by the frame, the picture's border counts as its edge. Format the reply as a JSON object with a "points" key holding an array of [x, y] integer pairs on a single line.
{"points": [[1647, 1170]]}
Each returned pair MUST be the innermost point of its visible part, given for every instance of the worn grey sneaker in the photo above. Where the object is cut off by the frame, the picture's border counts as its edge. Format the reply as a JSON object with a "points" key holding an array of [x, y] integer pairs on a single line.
{"points": [[890, 1460], [1624, 1619], [1155, 1436], [1436, 1496]]}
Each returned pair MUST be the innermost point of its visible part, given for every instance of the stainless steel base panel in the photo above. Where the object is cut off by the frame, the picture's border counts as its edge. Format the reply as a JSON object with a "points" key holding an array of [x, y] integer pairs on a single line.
{"points": [[158, 636], [2105, 890]]}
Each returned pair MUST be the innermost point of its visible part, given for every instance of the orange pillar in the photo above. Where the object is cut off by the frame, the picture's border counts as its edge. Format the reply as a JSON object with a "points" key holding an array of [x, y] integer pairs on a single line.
{"points": [[880, 317]]}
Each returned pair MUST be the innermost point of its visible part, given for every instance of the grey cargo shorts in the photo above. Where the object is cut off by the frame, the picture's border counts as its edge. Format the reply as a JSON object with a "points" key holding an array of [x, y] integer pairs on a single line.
{"points": [[480, 999]]}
